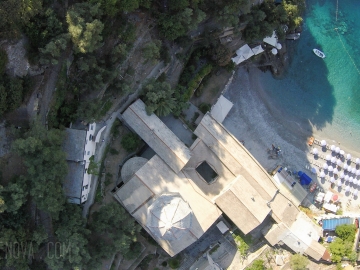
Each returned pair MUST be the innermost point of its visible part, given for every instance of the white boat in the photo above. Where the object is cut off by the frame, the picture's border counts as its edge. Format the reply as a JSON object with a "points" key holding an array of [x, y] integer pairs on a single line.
{"points": [[319, 53]]}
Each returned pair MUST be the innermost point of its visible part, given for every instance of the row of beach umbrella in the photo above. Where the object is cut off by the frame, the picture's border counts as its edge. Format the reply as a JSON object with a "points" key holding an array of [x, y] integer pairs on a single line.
{"points": [[337, 150], [341, 152]]}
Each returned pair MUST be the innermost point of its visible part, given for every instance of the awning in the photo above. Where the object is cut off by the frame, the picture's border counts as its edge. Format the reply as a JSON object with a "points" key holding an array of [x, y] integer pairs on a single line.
{"points": [[304, 178]]}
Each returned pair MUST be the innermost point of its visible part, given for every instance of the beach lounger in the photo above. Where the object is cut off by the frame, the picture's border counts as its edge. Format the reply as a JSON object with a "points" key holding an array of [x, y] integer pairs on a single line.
{"points": [[311, 141]]}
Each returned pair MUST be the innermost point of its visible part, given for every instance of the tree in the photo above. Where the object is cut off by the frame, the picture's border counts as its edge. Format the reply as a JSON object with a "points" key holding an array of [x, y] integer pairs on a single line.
{"points": [[159, 98], [298, 262], [220, 54], [337, 249], [73, 236], [256, 265], [53, 50], [3, 60], [346, 232], [117, 230], [46, 166], [85, 27], [15, 193], [151, 51], [130, 142]]}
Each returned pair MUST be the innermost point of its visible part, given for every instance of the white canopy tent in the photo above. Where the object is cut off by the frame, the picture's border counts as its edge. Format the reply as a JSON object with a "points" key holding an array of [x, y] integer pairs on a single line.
{"points": [[245, 51], [257, 50], [238, 59], [273, 40]]}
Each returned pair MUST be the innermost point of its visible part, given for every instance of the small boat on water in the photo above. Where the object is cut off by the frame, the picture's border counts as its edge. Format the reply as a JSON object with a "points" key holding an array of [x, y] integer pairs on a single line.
{"points": [[293, 36], [319, 53]]}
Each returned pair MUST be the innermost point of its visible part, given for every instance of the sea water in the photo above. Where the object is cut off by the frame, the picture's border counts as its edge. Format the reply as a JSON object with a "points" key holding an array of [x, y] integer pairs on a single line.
{"points": [[323, 92]]}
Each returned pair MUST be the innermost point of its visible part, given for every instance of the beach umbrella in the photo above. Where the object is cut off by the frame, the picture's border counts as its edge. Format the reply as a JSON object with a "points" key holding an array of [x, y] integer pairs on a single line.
{"points": [[332, 147], [349, 169], [333, 159], [338, 162], [345, 166], [335, 171], [328, 157], [357, 172], [325, 166], [339, 183], [351, 179], [346, 178], [355, 182], [278, 46], [334, 197], [330, 168], [348, 156], [357, 160], [355, 192], [332, 179], [347, 189], [342, 152], [323, 143], [315, 151], [337, 149], [342, 175], [313, 170], [274, 51], [353, 170], [322, 174]]}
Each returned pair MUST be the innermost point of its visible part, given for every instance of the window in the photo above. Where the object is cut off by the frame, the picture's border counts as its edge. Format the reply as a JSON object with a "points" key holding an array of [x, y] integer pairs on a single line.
{"points": [[88, 153], [91, 127], [207, 172]]}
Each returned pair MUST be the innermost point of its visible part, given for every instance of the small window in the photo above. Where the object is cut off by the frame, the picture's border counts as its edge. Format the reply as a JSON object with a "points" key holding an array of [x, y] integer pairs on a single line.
{"points": [[88, 153], [207, 172], [91, 127]]}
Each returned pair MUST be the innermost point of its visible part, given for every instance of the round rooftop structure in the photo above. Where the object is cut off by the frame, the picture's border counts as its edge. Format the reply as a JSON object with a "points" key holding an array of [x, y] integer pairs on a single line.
{"points": [[131, 166], [169, 217]]}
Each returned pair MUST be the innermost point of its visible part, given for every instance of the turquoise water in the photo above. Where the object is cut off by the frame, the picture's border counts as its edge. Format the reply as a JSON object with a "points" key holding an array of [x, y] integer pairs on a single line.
{"points": [[324, 92]]}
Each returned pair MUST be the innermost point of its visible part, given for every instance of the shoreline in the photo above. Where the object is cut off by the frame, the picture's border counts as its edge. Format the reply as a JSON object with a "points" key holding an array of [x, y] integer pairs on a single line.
{"points": [[260, 124]]}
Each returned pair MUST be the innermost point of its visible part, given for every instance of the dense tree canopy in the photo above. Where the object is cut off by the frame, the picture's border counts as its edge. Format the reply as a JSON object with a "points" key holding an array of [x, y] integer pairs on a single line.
{"points": [[46, 166], [298, 262], [159, 98], [85, 26]]}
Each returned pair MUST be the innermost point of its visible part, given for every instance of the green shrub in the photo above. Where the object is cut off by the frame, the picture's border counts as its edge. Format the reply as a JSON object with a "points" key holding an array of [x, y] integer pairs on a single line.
{"points": [[204, 107], [346, 232], [3, 60], [164, 263], [256, 265], [298, 262], [174, 263], [130, 142]]}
